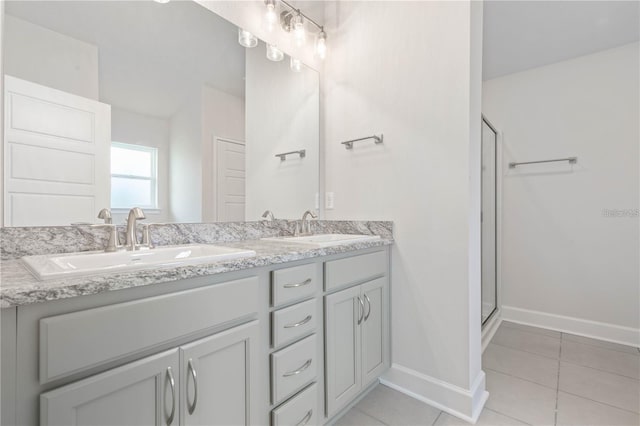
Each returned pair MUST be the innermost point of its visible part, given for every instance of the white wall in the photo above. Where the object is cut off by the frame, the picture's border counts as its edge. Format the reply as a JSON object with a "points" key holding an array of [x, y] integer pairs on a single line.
{"points": [[282, 116], [137, 129], [419, 84], [222, 116], [36, 54], [561, 256]]}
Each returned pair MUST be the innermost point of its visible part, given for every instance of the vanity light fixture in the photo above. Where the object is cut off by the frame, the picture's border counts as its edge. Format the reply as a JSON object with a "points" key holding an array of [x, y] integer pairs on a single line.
{"points": [[162, 1], [321, 44], [270, 17], [296, 64], [273, 53], [246, 39]]}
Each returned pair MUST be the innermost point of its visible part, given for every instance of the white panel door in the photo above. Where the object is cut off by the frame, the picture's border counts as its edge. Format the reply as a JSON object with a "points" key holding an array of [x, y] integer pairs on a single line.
{"points": [[230, 180], [56, 156], [218, 376], [142, 393]]}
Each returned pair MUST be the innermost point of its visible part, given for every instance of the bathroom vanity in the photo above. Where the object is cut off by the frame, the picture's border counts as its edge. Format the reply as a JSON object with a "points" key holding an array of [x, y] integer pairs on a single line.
{"points": [[291, 336]]}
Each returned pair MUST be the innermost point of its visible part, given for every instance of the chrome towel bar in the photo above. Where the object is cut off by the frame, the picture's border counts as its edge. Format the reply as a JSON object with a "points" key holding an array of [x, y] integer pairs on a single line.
{"points": [[571, 160], [349, 144], [283, 156]]}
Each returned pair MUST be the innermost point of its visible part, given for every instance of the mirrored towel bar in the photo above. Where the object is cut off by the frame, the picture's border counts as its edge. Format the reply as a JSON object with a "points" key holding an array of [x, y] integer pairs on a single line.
{"points": [[571, 160], [349, 144], [283, 156]]}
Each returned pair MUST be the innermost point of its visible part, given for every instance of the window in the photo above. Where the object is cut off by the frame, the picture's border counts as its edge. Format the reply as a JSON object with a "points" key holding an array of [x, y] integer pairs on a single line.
{"points": [[134, 176]]}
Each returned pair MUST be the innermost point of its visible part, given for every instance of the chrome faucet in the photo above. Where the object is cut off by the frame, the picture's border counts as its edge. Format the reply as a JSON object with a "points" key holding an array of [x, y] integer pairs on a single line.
{"points": [[105, 214], [305, 224], [131, 242], [268, 215]]}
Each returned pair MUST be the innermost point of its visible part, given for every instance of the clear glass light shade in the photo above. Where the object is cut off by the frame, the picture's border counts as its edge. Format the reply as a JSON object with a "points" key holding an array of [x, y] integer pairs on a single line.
{"points": [[297, 28], [296, 65], [270, 16], [274, 54], [321, 46], [246, 39]]}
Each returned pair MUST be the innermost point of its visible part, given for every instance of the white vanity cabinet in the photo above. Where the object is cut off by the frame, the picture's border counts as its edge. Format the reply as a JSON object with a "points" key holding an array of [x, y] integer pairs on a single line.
{"points": [[356, 326]]}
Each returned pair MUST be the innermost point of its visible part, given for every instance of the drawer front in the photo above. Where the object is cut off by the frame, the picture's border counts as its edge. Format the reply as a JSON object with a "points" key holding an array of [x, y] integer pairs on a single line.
{"points": [[293, 283], [292, 368], [301, 410], [77, 341], [290, 323], [356, 269]]}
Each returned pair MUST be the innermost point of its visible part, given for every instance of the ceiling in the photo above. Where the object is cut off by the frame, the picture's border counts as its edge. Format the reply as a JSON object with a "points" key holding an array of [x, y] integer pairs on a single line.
{"points": [[152, 56], [520, 35]]}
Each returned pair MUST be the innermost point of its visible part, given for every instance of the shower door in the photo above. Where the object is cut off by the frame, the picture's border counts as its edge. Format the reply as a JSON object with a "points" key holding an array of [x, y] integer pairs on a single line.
{"points": [[488, 218]]}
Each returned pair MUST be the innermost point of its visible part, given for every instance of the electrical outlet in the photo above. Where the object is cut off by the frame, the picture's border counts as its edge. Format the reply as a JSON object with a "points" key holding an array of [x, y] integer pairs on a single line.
{"points": [[329, 200]]}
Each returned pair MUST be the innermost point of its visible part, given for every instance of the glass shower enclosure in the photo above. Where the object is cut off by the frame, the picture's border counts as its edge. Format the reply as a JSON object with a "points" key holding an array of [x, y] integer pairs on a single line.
{"points": [[488, 218]]}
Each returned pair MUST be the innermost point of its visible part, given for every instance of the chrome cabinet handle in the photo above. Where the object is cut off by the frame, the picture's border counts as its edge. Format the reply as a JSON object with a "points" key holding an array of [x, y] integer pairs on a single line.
{"points": [[361, 310], [191, 370], [299, 370], [172, 383], [366, 317], [298, 324], [305, 419], [303, 283]]}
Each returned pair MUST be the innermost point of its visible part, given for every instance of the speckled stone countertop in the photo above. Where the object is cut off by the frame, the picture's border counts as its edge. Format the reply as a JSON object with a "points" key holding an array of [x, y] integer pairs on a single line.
{"points": [[19, 287]]}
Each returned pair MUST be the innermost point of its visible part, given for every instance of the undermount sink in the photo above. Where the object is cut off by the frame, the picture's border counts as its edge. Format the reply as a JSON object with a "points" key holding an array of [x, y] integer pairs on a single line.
{"points": [[74, 264], [326, 240]]}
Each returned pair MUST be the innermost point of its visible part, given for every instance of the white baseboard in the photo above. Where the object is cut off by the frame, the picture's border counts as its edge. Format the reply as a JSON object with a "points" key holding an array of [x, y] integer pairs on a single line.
{"points": [[465, 404], [594, 329], [490, 328]]}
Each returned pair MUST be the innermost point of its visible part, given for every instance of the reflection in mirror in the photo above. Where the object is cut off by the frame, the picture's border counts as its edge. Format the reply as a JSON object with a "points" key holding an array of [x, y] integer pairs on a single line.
{"points": [[122, 104]]}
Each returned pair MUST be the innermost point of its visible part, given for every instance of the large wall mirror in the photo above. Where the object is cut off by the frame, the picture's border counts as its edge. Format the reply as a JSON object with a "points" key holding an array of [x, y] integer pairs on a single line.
{"points": [[138, 103]]}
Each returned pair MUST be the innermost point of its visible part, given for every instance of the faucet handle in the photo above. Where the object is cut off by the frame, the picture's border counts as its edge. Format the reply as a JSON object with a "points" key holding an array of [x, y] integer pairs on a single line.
{"points": [[146, 236], [105, 214], [114, 240]]}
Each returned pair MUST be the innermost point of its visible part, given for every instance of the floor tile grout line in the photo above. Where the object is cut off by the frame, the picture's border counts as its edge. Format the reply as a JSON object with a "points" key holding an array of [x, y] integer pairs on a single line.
{"points": [[369, 415], [520, 378], [507, 415], [600, 370], [533, 332], [555, 421], [599, 346], [600, 402], [437, 418], [522, 350]]}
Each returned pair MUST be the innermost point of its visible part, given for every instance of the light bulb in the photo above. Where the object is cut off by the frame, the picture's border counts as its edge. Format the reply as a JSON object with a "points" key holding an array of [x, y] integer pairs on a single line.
{"points": [[297, 26], [321, 45], [270, 16], [162, 1], [246, 39], [274, 54], [296, 65]]}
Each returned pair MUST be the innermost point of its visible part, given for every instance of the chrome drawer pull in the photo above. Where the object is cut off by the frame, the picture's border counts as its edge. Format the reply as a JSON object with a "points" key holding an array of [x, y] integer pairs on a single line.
{"points": [[192, 370], [303, 283], [361, 309], [305, 419], [299, 370], [298, 324], [172, 383], [366, 317]]}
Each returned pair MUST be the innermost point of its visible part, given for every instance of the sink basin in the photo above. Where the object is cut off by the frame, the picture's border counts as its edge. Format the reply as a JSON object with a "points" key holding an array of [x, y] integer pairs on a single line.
{"points": [[326, 240], [73, 264]]}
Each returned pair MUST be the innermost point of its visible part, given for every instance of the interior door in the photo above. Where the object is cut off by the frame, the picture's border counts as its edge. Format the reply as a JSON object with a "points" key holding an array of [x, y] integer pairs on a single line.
{"points": [[488, 218], [230, 180], [141, 393], [56, 156], [343, 348], [219, 376], [373, 333]]}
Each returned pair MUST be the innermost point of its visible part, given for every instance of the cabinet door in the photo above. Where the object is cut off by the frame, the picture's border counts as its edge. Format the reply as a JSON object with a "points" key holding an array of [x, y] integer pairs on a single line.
{"points": [[218, 376], [142, 393], [374, 353], [343, 311]]}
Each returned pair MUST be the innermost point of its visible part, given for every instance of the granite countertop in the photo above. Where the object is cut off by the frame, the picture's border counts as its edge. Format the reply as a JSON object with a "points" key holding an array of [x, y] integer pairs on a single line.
{"points": [[20, 287]]}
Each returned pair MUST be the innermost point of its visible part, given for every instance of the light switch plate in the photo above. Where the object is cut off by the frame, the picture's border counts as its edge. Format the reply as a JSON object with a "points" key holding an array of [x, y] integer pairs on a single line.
{"points": [[329, 200]]}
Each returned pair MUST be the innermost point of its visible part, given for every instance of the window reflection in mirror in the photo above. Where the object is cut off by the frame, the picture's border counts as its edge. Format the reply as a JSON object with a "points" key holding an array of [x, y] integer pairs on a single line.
{"points": [[154, 105]]}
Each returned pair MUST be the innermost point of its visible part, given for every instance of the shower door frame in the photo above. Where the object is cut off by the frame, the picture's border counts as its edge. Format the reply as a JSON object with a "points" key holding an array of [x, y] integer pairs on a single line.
{"points": [[495, 227]]}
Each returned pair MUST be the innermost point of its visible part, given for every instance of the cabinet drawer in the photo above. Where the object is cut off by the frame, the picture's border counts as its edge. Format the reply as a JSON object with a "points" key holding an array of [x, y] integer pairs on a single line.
{"points": [[293, 283], [289, 323], [356, 269], [292, 368], [77, 341], [302, 409]]}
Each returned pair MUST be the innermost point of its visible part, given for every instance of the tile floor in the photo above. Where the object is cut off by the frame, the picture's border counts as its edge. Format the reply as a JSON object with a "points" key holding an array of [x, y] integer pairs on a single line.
{"points": [[536, 377]]}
